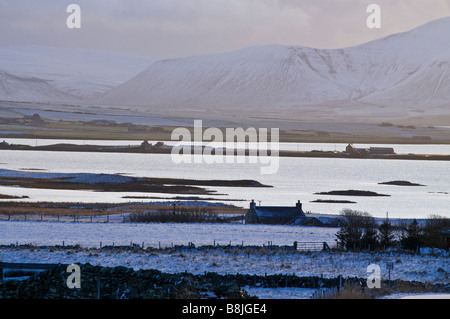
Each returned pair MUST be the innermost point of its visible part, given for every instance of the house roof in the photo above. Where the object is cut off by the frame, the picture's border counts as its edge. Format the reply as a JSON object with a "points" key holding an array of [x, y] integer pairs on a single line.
{"points": [[277, 211]]}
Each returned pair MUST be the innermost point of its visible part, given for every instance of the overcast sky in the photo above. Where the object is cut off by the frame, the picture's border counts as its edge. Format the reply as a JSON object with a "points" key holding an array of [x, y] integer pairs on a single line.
{"points": [[173, 28]]}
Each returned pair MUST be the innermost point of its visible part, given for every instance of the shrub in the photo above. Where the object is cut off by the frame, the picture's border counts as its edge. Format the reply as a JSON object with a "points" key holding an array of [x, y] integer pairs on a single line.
{"points": [[386, 234], [182, 215], [432, 229], [412, 236]]}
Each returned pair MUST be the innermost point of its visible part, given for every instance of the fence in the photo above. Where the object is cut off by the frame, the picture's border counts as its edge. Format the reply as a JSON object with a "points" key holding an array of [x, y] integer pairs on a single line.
{"points": [[106, 218], [325, 293], [311, 246]]}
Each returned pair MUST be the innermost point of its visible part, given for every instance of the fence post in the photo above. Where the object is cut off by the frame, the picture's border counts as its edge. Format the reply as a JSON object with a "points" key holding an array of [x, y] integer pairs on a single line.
{"points": [[98, 287]]}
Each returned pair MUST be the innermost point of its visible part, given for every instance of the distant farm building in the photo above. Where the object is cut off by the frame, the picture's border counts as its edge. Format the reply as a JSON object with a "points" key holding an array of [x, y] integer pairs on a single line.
{"points": [[146, 146], [33, 119], [381, 150], [278, 215], [350, 149]]}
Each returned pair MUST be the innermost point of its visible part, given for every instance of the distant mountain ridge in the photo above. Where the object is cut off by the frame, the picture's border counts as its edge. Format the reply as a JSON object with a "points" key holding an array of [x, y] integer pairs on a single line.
{"points": [[50, 74], [406, 73]]}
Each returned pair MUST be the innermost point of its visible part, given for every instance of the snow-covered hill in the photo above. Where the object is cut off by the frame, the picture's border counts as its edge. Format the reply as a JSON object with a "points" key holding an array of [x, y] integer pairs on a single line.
{"points": [[406, 75], [29, 88], [402, 74], [49, 74]]}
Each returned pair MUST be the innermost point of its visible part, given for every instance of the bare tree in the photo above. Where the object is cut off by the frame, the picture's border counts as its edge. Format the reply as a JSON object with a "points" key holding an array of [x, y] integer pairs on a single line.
{"points": [[357, 231]]}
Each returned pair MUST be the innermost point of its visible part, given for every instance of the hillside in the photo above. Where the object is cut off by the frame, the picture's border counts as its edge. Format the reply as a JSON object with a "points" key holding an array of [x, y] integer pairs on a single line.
{"points": [[63, 75], [403, 75], [402, 78]]}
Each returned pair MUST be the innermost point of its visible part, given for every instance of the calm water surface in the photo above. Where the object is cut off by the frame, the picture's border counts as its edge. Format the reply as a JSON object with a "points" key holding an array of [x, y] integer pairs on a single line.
{"points": [[296, 179]]}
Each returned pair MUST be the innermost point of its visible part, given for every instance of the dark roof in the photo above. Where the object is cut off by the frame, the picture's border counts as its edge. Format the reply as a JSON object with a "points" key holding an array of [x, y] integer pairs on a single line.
{"points": [[277, 211]]}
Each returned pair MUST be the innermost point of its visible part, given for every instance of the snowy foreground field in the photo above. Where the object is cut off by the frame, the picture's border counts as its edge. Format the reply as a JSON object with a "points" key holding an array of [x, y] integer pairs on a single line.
{"points": [[433, 268], [152, 235]]}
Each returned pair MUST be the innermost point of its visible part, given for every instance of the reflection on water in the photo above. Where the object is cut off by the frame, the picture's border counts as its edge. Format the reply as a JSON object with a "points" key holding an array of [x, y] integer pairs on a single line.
{"points": [[296, 179]]}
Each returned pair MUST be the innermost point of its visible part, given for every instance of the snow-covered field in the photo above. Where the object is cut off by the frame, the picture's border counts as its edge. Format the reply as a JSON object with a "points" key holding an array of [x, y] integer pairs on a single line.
{"points": [[423, 268], [90, 235], [433, 268], [426, 267]]}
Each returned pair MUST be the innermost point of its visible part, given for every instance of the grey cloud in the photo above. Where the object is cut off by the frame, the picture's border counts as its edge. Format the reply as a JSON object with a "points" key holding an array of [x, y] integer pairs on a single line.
{"points": [[173, 28]]}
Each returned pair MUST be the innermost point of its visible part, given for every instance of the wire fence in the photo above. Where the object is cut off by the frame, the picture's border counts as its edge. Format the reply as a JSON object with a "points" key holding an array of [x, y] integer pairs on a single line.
{"points": [[248, 247], [325, 293], [104, 218], [311, 246]]}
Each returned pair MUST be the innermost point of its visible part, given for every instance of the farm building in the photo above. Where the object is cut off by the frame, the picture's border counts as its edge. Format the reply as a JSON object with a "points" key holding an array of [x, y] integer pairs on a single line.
{"points": [[365, 151], [145, 145], [381, 150], [273, 214]]}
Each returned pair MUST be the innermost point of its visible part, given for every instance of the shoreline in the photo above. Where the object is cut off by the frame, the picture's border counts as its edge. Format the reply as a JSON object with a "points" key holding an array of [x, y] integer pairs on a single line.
{"points": [[82, 212], [165, 149]]}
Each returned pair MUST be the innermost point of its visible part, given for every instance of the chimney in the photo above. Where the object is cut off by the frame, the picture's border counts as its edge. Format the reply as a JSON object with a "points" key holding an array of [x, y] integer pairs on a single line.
{"points": [[298, 205], [252, 204]]}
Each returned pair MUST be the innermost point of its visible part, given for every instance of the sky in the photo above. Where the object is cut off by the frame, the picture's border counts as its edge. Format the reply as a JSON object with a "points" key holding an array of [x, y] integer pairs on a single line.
{"points": [[175, 28]]}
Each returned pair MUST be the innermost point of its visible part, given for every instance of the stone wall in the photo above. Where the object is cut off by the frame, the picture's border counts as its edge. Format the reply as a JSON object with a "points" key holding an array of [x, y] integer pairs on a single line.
{"points": [[126, 283]]}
